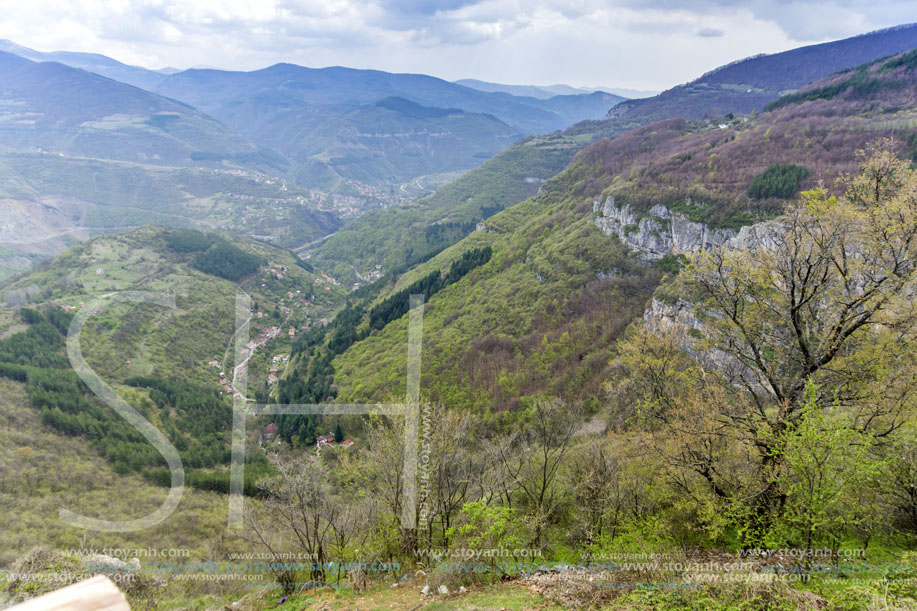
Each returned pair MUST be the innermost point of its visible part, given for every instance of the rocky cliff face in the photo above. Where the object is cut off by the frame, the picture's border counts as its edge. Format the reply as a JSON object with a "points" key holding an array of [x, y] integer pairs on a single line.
{"points": [[659, 231], [661, 317], [681, 321]]}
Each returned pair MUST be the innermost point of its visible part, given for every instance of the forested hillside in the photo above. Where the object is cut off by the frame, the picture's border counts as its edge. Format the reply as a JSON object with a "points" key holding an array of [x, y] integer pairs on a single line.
{"points": [[503, 181], [725, 174], [666, 358], [175, 365], [400, 237], [744, 407], [748, 85], [62, 109], [557, 291]]}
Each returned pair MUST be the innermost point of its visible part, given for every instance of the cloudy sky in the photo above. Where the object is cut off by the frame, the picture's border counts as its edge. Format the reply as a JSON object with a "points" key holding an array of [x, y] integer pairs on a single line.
{"points": [[640, 44]]}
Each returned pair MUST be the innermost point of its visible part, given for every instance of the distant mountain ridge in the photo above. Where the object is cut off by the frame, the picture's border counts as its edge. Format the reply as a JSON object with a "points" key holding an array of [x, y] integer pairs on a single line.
{"points": [[91, 62], [506, 186], [55, 107], [318, 119], [393, 141], [798, 67], [549, 91], [340, 85], [284, 85], [310, 115], [81, 154], [154, 79], [749, 84]]}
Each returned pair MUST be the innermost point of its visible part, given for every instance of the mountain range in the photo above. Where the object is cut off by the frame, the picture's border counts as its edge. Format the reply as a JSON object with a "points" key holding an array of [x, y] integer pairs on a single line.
{"points": [[740, 88], [89, 144], [547, 286], [312, 116], [549, 91], [540, 258], [309, 116], [91, 62], [52, 107]]}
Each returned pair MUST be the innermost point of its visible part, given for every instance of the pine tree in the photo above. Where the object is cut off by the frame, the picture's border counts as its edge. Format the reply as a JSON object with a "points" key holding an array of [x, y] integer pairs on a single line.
{"points": [[338, 433]]}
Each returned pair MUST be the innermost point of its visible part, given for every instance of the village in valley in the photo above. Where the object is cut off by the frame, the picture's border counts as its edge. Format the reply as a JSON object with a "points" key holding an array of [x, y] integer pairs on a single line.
{"points": [[291, 308], [269, 436]]}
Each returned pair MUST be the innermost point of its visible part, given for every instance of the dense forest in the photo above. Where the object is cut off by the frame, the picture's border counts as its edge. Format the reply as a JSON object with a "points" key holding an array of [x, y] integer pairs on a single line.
{"points": [[666, 365], [737, 434], [213, 254], [195, 419], [781, 180], [312, 381]]}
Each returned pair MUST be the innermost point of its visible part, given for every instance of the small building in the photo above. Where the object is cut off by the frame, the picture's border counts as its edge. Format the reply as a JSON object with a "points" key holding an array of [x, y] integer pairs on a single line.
{"points": [[270, 431]]}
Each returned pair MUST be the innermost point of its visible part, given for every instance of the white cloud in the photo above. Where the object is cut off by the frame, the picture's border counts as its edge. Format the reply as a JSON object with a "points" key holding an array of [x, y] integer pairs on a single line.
{"points": [[624, 43], [710, 32]]}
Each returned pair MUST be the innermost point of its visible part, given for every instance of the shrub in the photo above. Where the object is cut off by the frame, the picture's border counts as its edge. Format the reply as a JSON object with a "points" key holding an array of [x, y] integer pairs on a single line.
{"points": [[860, 85], [671, 264], [30, 316]]}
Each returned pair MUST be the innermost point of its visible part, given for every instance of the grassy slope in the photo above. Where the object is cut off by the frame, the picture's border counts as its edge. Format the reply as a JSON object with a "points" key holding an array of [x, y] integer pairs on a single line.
{"points": [[396, 236], [667, 162], [538, 318], [172, 343], [35, 487]]}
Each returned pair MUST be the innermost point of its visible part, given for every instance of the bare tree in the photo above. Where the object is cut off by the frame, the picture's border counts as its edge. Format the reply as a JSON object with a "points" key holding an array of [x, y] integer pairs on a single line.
{"points": [[378, 469], [598, 491], [457, 467], [299, 501], [532, 459]]}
